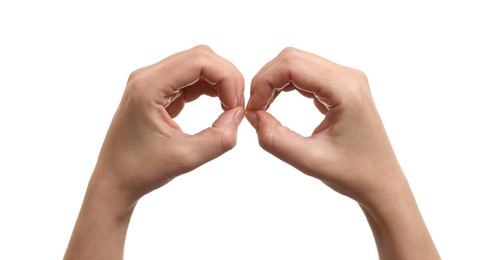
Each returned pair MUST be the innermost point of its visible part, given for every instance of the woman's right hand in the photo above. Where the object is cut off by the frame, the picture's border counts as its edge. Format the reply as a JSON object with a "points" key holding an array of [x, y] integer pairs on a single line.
{"points": [[349, 150]]}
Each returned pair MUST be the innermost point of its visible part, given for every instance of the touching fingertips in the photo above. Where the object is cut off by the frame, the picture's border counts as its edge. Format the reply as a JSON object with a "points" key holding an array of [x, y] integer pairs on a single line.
{"points": [[254, 103], [240, 114], [252, 118], [247, 107], [242, 100]]}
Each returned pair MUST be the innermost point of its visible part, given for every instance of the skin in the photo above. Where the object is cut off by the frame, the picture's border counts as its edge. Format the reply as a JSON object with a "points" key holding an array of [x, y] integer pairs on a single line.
{"points": [[349, 151], [144, 148]]}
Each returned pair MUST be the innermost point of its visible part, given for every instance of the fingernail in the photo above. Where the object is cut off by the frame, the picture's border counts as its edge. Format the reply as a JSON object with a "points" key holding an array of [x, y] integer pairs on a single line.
{"points": [[236, 102], [239, 100], [239, 116], [252, 118], [248, 103]]}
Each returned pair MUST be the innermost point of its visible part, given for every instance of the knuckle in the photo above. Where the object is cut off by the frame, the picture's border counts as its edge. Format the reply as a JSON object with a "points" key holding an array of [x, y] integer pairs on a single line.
{"points": [[253, 82], [137, 82], [135, 75], [231, 75], [288, 51], [289, 56], [199, 55], [357, 89], [184, 158], [266, 139], [361, 82], [202, 48], [201, 52], [241, 79], [263, 143], [228, 140], [361, 77]]}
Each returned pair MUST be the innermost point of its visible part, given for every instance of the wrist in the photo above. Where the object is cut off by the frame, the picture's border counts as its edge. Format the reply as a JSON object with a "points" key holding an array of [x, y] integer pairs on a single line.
{"points": [[388, 211], [389, 202], [105, 196], [102, 224], [390, 193], [397, 225]]}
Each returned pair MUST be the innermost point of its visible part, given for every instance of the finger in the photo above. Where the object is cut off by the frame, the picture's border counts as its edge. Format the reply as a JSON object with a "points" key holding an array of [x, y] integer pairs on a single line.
{"points": [[281, 142], [289, 88], [261, 72], [218, 139], [316, 101], [202, 87], [189, 94], [304, 93], [321, 107], [200, 63], [175, 107], [308, 72]]}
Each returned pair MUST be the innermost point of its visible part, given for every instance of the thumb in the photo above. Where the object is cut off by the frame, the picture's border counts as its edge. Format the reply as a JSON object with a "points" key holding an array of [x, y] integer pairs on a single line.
{"points": [[218, 139], [279, 140]]}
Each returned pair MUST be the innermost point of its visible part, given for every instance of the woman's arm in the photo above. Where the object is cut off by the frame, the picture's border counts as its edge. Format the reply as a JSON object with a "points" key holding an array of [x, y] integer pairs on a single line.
{"points": [[349, 150], [145, 149]]}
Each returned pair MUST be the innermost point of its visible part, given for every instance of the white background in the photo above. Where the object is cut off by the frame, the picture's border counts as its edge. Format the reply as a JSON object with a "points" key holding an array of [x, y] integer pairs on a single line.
{"points": [[435, 69]]}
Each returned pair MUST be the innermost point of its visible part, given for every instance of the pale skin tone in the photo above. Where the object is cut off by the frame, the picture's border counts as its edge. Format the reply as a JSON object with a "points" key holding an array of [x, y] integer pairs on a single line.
{"points": [[349, 151]]}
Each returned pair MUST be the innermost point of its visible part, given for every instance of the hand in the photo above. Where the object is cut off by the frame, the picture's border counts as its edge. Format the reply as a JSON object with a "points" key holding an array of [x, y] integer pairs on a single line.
{"points": [[145, 148], [349, 150]]}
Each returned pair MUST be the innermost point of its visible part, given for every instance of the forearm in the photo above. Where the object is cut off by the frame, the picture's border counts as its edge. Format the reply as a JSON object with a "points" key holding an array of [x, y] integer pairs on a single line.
{"points": [[398, 227], [100, 230]]}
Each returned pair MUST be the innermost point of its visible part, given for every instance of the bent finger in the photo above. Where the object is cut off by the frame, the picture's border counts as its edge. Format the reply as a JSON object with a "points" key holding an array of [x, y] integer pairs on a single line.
{"points": [[218, 139], [307, 72], [200, 63]]}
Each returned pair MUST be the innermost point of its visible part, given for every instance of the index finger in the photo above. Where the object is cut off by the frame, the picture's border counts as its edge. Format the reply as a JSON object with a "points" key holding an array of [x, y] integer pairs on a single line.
{"points": [[200, 63], [326, 80]]}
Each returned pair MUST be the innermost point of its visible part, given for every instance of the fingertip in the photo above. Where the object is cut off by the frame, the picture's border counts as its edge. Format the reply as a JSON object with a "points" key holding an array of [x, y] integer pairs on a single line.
{"points": [[261, 119], [230, 117], [252, 118], [239, 115], [267, 118], [252, 104], [229, 102], [228, 135], [275, 138], [241, 90], [242, 100], [247, 107], [222, 136]]}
